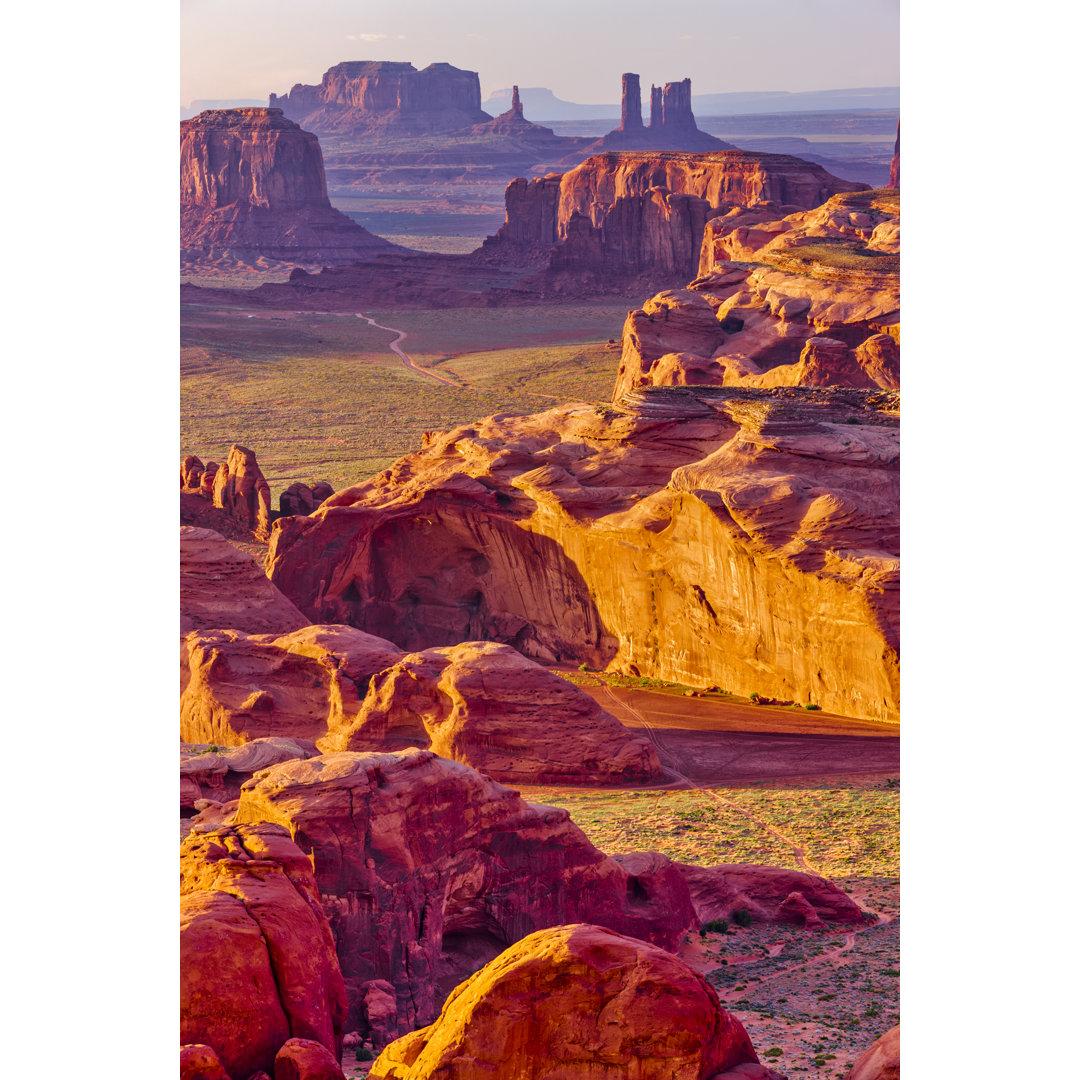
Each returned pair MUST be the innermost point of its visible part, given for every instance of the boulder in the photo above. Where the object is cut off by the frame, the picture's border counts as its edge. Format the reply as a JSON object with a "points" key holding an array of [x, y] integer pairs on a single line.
{"points": [[241, 490], [579, 1002], [217, 776], [305, 1059], [257, 959], [220, 585], [427, 869], [880, 1060], [200, 1062]]}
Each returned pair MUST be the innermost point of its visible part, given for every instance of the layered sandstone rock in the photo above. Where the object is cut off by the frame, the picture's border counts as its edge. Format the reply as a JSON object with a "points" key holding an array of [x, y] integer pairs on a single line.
{"points": [[223, 586], [217, 775], [306, 1059], [480, 703], [880, 1061], [257, 959], [427, 869], [769, 893], [301, 498], [365, 97], [710, 536], [579, 1002], [894, 165], [253, 188], [241, 490], [628, 213]]}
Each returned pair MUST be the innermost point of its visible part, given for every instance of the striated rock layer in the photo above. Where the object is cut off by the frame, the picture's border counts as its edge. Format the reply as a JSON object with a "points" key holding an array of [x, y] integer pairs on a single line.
{"points": [[253, 187], [366, 97], [427, 869], [257, 959], [632, 212], [738, 537], [479, 703], [581, 1003]]}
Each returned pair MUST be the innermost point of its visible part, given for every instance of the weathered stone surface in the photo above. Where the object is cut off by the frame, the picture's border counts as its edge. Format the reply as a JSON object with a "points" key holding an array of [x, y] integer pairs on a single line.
{"points": [[711, 536], [252, 187], [220, 585], [880, 1061], [427, 869], [581, 1003], [894, 165], [305, 1059], [301, 498], [242, 491], [216, 776], [364, 97], [771, 894], [257, 960], [199, 1062]]}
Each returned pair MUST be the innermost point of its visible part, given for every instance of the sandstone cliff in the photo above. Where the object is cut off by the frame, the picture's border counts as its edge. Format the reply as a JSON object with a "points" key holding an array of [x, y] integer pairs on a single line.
{"points": [[252, 187], [364, 97], [739, 537], [428, 869]]}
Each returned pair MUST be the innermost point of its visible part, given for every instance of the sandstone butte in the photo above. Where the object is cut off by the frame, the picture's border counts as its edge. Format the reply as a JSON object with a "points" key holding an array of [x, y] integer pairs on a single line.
{"points": [[631, 213], [478, 702], [253, 187], [581, 1003], [880, 1060], [220, 585], [366, 97], [257, 959], [427, 869], [737, 537]]}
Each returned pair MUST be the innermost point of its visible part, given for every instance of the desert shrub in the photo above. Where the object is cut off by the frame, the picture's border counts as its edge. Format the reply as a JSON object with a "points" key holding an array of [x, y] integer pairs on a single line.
{"points": [[742, 917], [715, 926], [364, 1054], [813, 708]]}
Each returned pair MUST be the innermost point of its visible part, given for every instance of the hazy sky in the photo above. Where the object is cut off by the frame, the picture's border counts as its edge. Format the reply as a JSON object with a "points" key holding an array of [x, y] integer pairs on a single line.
{"points": [[578, 48]]}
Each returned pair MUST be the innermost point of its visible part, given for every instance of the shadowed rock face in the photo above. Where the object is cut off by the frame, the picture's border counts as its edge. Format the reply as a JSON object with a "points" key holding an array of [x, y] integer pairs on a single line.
{"points": [[576, 1002], [361, 97], [257, 959], [252, 187], [627, 213], [894, 165], [427, 869], [744, 538]]}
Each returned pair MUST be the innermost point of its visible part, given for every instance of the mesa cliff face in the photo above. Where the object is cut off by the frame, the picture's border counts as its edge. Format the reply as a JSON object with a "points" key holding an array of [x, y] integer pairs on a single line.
{"points": [[628, 213], [740, 537], [252, 186], [361, 97]]}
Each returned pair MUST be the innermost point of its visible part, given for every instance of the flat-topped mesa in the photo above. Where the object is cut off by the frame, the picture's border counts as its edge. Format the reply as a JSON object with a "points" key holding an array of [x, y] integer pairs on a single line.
{"points": [[675, 112], [253, 187], [360, 97], [746, 538], [632, 213]]}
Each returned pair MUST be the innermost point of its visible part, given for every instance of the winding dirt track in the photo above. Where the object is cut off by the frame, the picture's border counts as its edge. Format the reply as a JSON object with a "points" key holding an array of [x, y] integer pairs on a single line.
{"points": [[406, 359]]}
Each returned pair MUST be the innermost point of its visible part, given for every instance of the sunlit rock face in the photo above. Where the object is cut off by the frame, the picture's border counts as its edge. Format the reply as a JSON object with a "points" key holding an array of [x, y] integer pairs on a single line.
{"points": [[746, 538]]}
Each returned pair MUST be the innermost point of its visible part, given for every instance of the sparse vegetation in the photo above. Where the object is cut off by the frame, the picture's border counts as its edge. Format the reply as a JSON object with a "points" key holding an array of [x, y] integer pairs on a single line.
{"points": [[741, 917], [715, 926]]}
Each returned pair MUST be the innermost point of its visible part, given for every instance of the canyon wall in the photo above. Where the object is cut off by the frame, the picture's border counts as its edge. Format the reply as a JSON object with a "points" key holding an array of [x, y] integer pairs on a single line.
{"points": [[361, 97], [253, 187], [746, 538]]}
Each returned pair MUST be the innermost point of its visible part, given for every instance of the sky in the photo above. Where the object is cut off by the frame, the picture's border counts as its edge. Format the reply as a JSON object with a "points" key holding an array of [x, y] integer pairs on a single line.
{"points": [[577, 48]]}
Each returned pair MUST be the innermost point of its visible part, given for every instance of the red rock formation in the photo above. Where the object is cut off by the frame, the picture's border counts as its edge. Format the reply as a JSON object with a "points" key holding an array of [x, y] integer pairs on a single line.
{"points": [[306, 1059], [880, 1061], [894, 165], [241, 489], [223, 586], [199, 1062], [252, 187], [732, 537], [770, 893], [301, 498], [631, 103], [579, 1002], [257, 960], [479, 703], [427, 869], [364, 97]]}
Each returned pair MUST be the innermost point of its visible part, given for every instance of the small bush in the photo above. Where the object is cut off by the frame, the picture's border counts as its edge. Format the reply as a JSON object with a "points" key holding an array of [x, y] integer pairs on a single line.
{"points": [[715, 926], [852, 420], [364, 1054], [772, 1052], [755, 697], [584, 667], [813, 708], [742, 917]]}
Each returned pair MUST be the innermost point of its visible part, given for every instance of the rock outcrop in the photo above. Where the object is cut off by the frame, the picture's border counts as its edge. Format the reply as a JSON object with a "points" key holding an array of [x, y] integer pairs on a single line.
{"points": [[770, 894], [217, 775], [223, 586], [711, 536], [367, 97], [479, 703], [306, 1059], [428, 869], [894, 165], [636, 213], [581, 1003], [880, 1061], [200, 1062], [257, 959], [253, 190]]}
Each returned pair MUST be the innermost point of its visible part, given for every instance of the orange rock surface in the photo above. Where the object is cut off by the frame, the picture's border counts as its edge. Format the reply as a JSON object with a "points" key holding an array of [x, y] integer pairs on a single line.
{"points": [[713, 536], [242, 491], [220, 585], [427, 869], [257, 959], [580, 1003], [478, 702], [252, 187], [880, 1060]]}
